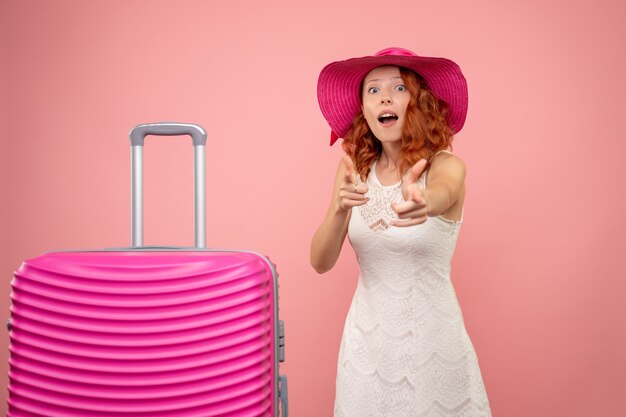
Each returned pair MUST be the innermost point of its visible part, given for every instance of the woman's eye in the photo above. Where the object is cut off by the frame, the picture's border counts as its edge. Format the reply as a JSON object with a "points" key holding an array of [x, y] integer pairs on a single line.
{"points": [[400, 88], [373, 90]]}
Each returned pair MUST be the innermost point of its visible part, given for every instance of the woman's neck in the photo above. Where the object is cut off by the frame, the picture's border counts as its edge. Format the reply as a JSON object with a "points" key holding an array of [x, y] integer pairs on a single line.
{"points": [[390, 156], [388, 165]]}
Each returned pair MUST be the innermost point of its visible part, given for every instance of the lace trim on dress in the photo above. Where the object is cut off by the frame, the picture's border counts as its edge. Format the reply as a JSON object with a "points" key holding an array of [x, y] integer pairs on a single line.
{"points": [[378, 213]]}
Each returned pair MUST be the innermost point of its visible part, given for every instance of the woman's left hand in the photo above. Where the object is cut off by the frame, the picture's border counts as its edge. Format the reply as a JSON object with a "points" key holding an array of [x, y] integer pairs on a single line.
{"points": [[414, 209]]}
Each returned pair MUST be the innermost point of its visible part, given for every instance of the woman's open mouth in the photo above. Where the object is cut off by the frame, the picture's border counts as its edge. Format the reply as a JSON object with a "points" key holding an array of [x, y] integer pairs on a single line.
{"points": [[387, 118]]}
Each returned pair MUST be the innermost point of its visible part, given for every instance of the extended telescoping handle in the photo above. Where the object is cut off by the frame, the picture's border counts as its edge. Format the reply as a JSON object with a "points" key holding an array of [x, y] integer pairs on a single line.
{"points": [[137, 136]]}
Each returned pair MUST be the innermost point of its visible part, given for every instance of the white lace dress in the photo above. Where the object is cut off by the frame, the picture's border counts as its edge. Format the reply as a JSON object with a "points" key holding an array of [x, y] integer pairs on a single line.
{"points": [[405, 351]]}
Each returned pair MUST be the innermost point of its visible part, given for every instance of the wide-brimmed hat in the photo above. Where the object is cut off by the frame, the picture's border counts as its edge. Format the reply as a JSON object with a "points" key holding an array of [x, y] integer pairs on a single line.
{"points": [[339, 82]]}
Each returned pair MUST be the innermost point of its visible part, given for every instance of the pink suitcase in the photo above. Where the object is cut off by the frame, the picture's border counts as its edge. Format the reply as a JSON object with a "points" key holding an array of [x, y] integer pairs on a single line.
{"points": [[147, 331]]}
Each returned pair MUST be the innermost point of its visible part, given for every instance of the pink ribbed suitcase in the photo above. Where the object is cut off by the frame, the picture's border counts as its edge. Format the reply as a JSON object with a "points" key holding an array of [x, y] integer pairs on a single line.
{"points": [[147, 331]]}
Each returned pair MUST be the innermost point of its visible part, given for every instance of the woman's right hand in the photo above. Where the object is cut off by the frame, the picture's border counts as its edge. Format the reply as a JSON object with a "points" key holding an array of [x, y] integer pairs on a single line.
{"points": [[327, 241], [351, 190]]}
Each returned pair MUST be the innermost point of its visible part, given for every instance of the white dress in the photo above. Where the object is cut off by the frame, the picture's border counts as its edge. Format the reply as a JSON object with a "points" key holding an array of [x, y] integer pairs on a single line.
{"points": [[405, 351]]}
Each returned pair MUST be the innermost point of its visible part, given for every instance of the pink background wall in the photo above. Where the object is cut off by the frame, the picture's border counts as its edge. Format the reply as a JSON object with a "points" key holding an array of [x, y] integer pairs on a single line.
{"points": [[539, 270]]}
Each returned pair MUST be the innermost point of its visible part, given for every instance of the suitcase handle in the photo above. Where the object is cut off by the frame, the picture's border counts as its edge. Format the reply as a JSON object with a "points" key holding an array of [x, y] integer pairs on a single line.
{"points": [[137, 136], [139, 133]]}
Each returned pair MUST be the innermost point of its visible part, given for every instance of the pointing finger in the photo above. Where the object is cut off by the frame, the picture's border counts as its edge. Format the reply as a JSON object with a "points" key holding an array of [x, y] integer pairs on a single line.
{"points": [[349, 166], [347, 162], [416, 171]]}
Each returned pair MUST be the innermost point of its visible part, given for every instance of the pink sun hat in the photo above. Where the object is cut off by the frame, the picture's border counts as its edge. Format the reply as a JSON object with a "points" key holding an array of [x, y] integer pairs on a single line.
{"points": [[339, 82]]}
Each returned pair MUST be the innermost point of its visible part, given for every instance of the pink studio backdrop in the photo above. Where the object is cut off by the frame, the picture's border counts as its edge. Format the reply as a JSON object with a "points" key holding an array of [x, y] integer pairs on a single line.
{"points": [[539, 270]]}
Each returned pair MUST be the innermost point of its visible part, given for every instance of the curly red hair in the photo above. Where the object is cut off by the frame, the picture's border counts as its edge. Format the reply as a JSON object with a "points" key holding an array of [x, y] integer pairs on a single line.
{"points": [[425, 130]]}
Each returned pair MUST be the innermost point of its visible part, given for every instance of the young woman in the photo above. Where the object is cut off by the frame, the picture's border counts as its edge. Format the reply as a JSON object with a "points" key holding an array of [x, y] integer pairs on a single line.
{"points": [[398, 196]]}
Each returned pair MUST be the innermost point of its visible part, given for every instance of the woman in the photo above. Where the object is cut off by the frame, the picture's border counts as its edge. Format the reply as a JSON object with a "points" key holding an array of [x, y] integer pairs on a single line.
{"points": [[398, 195]]}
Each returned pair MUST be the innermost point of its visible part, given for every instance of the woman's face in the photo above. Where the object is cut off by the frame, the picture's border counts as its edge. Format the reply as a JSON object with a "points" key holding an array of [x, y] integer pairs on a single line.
{"points": [[385, 100]]}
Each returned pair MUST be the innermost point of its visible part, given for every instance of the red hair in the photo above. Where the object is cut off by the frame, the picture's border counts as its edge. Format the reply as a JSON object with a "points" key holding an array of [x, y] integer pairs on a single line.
{"points": [[425, 130]]}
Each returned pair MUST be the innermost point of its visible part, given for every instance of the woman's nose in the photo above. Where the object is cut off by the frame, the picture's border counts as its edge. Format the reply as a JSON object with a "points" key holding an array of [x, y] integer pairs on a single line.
{"points": [[385, 99]]}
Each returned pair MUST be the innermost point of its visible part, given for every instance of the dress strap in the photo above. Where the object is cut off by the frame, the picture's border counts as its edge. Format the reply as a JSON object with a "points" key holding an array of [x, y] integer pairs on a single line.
{"points": [[443, 150]]}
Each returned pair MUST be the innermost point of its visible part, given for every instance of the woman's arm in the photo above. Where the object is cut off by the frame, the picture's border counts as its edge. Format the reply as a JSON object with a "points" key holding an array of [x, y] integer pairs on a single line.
{"points": [[329, 237]]}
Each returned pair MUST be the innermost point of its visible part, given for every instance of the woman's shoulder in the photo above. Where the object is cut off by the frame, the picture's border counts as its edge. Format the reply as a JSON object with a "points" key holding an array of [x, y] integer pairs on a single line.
{"points": [[445, 157], [448, 162]]}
